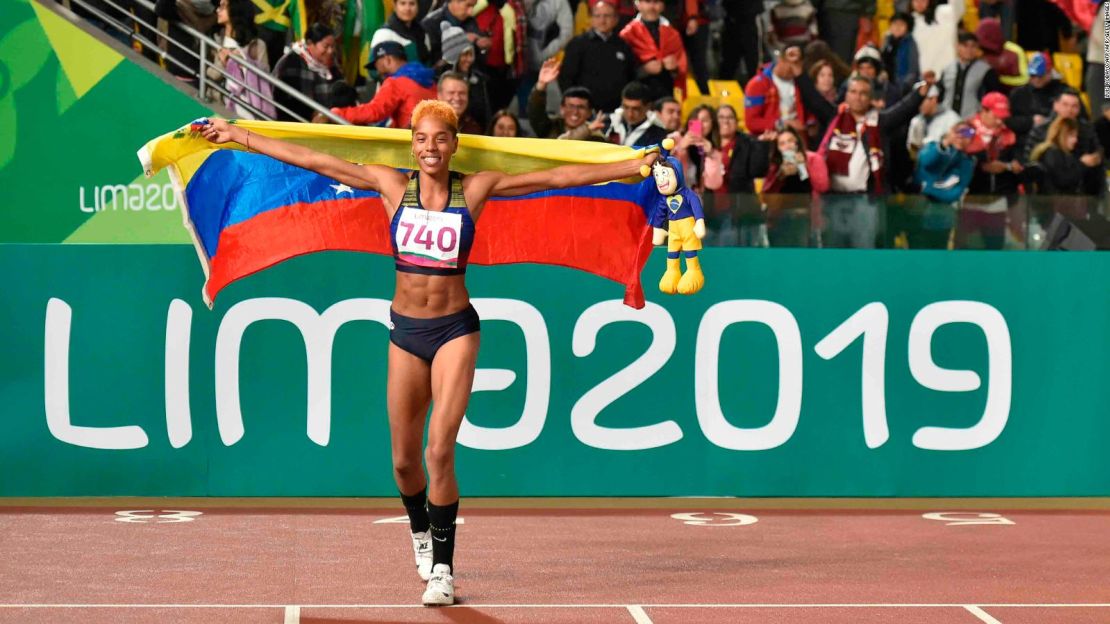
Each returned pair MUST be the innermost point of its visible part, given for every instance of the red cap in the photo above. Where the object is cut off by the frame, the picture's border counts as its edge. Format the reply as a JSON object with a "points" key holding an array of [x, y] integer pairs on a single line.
{"points": [[997, 104]]}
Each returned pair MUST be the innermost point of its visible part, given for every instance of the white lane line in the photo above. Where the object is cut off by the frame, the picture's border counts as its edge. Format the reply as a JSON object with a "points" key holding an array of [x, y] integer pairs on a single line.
{"points": [[772, 605], [292, 614], [637, 613], [981, 614]]}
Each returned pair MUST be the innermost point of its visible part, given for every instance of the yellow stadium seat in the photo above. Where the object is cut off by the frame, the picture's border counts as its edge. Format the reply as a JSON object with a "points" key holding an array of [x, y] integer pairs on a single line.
{"points": [[884, 8], [692, 87], [728, 92], [1070, 67], [582, 18]]}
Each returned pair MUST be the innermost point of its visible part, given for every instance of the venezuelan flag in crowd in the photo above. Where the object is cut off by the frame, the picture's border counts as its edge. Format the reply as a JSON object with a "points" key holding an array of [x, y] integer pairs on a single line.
{"points": [[247, 211]]}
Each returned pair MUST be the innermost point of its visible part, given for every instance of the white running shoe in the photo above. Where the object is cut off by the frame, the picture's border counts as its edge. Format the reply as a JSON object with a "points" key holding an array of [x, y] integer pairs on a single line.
{"points": [[441, 587], [422, 548]]}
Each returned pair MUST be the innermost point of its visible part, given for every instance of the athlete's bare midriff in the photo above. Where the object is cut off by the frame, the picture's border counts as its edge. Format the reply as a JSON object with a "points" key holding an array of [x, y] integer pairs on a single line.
{"points": [[430, 296]]}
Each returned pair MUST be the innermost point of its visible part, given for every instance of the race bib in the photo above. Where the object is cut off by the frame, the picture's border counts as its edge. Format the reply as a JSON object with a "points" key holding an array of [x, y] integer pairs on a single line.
{"points": [[429, 239]]}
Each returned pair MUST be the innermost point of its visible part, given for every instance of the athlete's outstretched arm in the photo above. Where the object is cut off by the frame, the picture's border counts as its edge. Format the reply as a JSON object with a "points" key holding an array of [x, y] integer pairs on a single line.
{"points": [[566, 176], [367, 177]]}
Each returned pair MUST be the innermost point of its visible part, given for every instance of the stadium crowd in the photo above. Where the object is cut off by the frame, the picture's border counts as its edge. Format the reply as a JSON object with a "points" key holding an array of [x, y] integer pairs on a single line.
{"points": [[843, 101]]}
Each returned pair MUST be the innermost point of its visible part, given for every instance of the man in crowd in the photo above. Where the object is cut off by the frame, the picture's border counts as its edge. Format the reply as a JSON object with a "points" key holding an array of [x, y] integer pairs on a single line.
{"points": [[668, 113], [997, 174], [573, 121], [599, 59], [931, 123], [1069, 106], [1031, 104], [855, 148], [771, 99], [658, 49], [405, 85], [630, 124], [968, 78], [454, 89]]}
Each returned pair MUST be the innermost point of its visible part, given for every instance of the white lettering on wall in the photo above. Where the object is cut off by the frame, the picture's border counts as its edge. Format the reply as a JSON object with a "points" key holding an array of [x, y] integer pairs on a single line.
{"points": [[130, 197], [179, 424], [871, 321], [56, 391], [318, 331], [537, 394], [706, 371], [925, 370], [583, 416]]}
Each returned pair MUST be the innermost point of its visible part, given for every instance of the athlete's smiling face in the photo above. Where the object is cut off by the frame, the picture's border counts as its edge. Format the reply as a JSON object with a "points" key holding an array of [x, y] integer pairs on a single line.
{"points": [[433, 144]]}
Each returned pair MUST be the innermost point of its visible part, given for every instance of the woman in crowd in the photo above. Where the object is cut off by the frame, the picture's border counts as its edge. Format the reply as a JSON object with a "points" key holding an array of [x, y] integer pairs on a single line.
{"points": [[308, 67], [504, 124], [1058, 170], [242, 56]]}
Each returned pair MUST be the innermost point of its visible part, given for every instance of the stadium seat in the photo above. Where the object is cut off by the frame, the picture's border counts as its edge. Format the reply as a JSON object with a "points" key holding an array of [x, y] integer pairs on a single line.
{"points": [[729, 92]]}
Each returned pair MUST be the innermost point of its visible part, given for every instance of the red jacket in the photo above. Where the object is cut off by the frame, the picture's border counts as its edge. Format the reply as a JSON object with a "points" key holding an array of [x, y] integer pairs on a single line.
{"points": [[395, 100], [761, 102], [637, 36]]}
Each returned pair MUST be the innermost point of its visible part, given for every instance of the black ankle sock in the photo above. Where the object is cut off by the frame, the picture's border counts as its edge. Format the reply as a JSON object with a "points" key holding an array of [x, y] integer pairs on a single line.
{"points": [[443, 532], [418, 513]]}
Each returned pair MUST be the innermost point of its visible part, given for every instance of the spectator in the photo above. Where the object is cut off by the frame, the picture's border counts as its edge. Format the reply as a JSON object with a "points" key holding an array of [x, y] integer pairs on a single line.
{"points": [[771, 99], [736, 154], [855, 149], [793, 169], [658, 50], [996, 176], [687, 18], [899, 54], [630, 124], [742, 42], [459, 56], [967, 79], [840, 23], [550, 27], [1059, 170], [504, 124], [698, 150], [406, 84], [599, 59], [197, 14], [824, 80], [931, 124], [454, 89], [1006, 58], [574, 110], [668, 112], [403, 26], [455, 13], [934, 30], [308, 67], [944, 172], [1031, 104], [868, 64], [945, 168], [793, 22], [243, 57], [1068, 105], [818, 51]]}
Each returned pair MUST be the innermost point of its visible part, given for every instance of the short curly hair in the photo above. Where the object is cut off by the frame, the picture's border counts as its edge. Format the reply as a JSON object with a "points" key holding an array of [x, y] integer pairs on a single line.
{"points": [[436, 109]]}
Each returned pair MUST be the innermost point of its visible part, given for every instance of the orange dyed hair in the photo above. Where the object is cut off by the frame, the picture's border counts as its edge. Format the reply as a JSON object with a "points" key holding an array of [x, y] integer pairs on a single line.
{"points": [[436, 109]]}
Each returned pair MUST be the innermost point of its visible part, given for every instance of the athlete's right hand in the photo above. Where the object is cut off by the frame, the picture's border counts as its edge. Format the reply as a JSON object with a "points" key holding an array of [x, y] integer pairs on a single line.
{"points": [[218, 131]]}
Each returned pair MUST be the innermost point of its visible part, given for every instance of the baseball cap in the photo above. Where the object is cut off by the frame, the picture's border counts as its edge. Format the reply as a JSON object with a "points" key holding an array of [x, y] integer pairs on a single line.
{"points": [[386, 48], [1039, 64], [997, 104]]}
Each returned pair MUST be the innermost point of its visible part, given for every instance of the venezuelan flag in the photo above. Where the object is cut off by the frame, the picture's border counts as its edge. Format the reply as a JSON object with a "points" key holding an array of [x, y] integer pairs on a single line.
{"points": [[247, 212]]}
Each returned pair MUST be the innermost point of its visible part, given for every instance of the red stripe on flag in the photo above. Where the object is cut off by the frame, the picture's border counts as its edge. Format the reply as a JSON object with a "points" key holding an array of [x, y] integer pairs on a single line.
{"points": [[606, 237]]}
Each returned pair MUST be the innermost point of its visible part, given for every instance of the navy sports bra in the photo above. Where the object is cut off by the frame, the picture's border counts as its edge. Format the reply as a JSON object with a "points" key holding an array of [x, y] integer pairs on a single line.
{"points": [[430, 242]]}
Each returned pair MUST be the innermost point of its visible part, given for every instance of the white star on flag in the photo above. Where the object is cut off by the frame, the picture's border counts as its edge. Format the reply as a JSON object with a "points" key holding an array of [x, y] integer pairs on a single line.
{"points": [[342, 188]]}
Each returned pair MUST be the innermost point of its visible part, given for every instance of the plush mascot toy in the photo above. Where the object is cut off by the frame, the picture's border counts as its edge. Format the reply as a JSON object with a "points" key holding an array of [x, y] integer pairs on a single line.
{"points": [[679, 217]]}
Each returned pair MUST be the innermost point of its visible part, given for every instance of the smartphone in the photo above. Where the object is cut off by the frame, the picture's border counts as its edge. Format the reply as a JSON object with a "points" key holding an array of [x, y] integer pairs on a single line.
{"points": [[695, 127]]}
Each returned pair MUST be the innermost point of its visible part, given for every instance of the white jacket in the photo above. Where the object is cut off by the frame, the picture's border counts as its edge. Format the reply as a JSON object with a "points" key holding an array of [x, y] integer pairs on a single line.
{"points": [[936, 42]]}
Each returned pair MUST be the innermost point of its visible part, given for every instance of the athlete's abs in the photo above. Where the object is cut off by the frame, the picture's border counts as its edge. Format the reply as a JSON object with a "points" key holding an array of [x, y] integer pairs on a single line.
{"points": [[430, 296]]}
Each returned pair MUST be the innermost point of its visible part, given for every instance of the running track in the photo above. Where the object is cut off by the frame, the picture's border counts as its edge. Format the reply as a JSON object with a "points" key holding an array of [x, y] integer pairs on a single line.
{"points": [[560, 561]]}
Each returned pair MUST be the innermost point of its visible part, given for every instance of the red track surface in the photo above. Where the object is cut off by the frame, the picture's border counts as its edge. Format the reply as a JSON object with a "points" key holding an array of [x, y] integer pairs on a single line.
{"points": [[556, 566]]}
